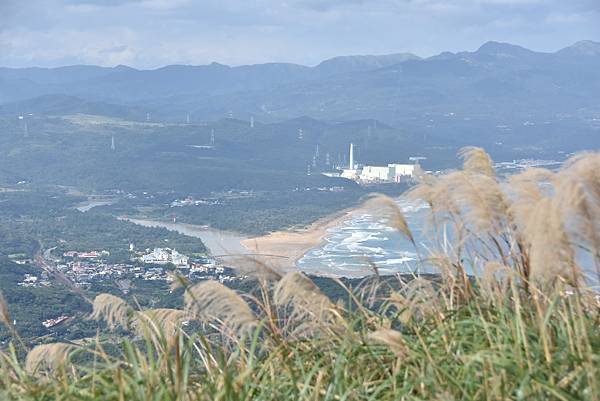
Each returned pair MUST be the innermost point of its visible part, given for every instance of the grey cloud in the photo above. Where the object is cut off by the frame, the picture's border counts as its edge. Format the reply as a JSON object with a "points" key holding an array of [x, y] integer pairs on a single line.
{"points": [[101, 3], [150, 33], [325, 5]]}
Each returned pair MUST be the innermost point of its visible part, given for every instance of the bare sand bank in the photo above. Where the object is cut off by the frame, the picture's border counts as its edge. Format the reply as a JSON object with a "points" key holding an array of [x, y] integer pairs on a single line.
{"points": [[281, 250]]}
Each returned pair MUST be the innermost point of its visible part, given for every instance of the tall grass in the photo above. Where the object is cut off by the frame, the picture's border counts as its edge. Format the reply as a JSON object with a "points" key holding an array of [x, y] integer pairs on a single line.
{"points": [[512, 315]]}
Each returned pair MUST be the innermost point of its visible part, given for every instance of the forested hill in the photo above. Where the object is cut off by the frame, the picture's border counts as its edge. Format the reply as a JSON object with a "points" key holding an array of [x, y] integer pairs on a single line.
{"points": [[75, 150]]}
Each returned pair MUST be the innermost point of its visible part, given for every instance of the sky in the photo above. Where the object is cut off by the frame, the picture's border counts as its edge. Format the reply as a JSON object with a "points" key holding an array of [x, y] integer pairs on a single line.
{"points": [[154, 33]]}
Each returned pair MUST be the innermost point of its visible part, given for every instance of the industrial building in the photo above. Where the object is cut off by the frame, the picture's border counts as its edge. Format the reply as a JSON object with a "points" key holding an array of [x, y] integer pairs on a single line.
{"points": [[394, 172]]}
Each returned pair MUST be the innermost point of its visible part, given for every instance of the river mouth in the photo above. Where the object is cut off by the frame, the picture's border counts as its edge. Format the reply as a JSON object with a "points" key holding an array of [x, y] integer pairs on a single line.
{"points": [[218, 243], [348, 248]]}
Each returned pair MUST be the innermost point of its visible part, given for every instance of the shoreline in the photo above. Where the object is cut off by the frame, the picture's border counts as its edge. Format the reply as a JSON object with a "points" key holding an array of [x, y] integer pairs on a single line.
{"points": [[281, 250]]}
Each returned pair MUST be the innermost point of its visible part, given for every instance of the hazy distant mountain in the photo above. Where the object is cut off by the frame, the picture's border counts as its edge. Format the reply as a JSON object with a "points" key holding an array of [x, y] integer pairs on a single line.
{"points": [[57, 105], [497, 81], [582, 48], [344, 64]]}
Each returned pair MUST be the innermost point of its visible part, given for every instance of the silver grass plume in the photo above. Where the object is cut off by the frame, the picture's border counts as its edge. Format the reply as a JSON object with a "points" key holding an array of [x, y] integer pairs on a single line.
{"points": [[525, 190], [578, 194], [550, 253], [386, 207], [253, 266], [308, 304], [113, 310], [161, 323], [4, 314], [476, 160], [495, 280], [211, 301], [392, 338], [50, 356], [418, 299]]}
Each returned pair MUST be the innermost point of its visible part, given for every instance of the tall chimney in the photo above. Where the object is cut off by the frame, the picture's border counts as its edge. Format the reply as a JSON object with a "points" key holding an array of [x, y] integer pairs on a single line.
{"points": [[351, 156]]}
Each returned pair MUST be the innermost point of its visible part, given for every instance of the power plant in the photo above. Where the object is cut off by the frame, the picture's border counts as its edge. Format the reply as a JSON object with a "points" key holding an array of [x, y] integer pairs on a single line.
{"points": [[393, 172]]}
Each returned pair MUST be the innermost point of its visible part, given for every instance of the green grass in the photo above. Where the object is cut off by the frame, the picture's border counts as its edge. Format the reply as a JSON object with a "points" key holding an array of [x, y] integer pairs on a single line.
{"points": [[481, 350]]}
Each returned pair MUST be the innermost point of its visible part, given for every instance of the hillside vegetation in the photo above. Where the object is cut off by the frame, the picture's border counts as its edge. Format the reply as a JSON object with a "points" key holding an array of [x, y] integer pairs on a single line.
{"points": [[524, 326]]}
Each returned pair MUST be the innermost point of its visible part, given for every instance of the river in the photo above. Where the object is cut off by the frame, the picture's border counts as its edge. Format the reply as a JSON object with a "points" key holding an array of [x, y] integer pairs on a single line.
{"points": [[92, 203], [218, 243]]}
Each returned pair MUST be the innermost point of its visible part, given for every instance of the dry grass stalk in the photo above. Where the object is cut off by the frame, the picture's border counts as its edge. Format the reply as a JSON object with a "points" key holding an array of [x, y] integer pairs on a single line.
{"points": [[309, 304], [177, 281], [402, 306], [4, 313], [536, 223], [422, 297], [50, 356], [259, 269], [578, 194], [211, 301], [494, 281], [113, 310], [158, 323], [392, 338], [385, 206], [550, 253], [416, 300], [476, 160]]}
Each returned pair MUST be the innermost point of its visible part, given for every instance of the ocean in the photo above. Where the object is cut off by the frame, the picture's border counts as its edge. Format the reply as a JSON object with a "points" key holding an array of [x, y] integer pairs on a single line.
{"points": [[366, 239]]}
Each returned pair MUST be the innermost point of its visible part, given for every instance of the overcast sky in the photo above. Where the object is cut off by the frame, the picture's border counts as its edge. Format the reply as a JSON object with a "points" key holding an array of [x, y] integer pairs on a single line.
{"points": [[153, 33]]}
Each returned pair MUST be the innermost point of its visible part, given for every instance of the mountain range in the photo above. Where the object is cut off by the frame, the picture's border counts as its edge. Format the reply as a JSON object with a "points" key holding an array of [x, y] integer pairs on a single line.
{"points": [[497, 81]]}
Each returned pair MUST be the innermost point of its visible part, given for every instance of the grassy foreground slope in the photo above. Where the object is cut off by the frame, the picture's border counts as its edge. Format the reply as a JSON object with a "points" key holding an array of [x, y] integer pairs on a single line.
{"points": [[524, 327]]}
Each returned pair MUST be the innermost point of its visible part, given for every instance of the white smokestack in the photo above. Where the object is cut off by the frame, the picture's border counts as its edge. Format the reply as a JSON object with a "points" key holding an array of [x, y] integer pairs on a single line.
{"points": [[351, 156]]}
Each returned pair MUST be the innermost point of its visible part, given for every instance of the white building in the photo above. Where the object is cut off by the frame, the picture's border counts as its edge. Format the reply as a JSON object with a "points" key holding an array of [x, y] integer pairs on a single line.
{"points": [[375, 173], [162, 256], [179, 260], [350, 174], [398, 172], [159, 256]]}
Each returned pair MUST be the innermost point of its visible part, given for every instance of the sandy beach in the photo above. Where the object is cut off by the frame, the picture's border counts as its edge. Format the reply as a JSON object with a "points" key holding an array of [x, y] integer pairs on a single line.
{"points": [[281, 250]]}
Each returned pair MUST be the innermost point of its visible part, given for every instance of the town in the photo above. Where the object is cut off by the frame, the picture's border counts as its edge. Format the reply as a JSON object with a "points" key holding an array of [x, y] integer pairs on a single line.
{"points": [[82, 269]]}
